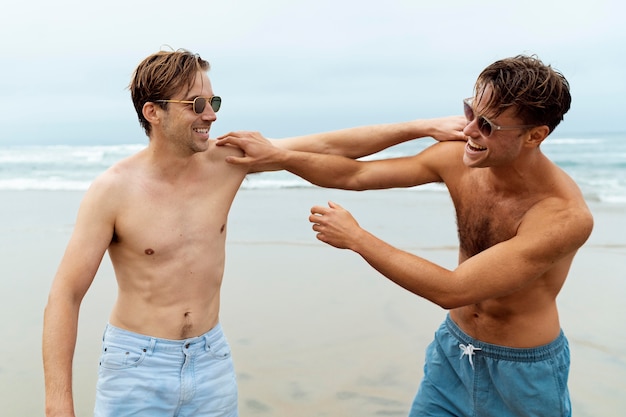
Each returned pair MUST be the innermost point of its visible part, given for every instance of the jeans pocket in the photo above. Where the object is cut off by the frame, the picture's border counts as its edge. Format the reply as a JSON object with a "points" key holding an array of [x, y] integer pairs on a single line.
{"points": [[121, 357], [220, 349]]}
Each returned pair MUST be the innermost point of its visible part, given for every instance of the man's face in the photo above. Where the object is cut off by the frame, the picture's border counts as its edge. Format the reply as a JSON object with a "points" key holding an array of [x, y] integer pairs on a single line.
{"points": [[182, 126], [492, 140]]}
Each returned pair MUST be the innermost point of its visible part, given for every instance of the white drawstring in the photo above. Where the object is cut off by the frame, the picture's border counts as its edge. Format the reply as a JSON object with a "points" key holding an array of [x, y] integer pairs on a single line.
{"points": [[469, 351]]}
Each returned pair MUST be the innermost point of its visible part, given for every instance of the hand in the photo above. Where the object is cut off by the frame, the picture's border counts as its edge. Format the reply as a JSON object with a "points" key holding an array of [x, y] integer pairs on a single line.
{"points": [[257, 149], [449, 128], [334, 225]]}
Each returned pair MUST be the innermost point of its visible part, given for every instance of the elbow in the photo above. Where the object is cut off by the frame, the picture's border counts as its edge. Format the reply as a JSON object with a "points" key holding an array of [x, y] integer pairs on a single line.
{"points": [[342, 182], [446, 304]]}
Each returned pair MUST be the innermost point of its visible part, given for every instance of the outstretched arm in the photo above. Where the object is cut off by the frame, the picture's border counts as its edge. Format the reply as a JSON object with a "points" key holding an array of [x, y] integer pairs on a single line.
{"points": [[365, 140], [336, 171]]}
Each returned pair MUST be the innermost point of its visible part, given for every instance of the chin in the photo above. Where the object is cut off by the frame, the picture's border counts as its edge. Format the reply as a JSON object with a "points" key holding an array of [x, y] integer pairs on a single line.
{"points": [[471, 162], [201, 147]]}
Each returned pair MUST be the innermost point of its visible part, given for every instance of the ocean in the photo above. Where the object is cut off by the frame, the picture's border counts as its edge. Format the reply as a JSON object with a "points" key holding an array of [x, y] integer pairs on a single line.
{"points": [[597, 162]]}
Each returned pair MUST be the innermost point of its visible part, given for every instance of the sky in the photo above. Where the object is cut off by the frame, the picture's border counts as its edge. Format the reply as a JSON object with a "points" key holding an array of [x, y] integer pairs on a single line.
{"points": [[290, 67]]}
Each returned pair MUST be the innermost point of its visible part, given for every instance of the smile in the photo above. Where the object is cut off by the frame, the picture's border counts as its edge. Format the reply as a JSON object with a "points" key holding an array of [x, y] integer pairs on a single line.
{"points": [[475, 147], [204, 131]]}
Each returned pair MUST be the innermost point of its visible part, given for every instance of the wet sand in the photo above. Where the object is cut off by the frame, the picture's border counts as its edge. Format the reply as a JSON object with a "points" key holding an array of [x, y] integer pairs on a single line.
{"points": [[315, 331]]}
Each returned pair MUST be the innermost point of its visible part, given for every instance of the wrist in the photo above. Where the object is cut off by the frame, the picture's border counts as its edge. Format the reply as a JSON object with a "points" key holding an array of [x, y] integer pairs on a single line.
{"points": [[421, 128]]}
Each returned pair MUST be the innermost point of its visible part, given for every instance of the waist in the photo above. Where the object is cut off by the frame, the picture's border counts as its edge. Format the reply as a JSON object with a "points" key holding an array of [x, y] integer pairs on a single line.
{"points": [[532, 354], [155, 344]]}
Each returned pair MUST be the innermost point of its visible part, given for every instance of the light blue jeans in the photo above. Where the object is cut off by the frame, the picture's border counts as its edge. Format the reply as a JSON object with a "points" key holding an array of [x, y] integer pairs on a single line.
{"points": [[146, 376], [464, 377]]}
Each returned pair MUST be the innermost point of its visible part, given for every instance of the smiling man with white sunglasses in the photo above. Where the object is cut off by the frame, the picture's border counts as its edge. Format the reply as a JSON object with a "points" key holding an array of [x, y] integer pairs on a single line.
{"points": [[521, 219]]}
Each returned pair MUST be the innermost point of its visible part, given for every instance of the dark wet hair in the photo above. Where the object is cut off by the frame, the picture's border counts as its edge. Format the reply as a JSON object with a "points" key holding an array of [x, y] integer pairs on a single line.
{"points": [[539, 94]]}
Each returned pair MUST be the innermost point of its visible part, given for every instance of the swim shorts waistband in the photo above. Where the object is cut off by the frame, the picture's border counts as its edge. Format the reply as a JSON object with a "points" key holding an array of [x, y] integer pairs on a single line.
{"points": [[535, 354]]}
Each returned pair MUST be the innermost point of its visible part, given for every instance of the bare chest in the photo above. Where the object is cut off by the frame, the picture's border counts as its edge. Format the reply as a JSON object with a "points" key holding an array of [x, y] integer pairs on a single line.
{"points": [[173, 222], [485, 219]]}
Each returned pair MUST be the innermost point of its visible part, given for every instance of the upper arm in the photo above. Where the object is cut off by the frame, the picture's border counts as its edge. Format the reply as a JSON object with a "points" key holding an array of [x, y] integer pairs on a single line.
{"points": [[434, 164], [546, 241], [92, 234]]}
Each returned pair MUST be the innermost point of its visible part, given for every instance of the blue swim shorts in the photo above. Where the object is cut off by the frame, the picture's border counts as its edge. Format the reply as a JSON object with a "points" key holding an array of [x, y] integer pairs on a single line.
{"points": [[464, 377], [147, 376]]}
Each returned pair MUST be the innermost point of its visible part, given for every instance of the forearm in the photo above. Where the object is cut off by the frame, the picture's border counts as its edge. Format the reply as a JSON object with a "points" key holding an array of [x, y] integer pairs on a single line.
{"points": [[59, 341], [330, 171], [413, 273], [359, 141]]}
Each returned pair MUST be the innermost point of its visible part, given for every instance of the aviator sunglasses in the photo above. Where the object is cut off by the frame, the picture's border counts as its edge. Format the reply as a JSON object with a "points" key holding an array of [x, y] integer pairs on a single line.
{"points": [[199, 103], [485, 125]]}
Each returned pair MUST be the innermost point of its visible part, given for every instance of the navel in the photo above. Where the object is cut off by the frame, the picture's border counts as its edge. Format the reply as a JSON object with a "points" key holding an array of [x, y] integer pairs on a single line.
{"points": [[223, 228], [185, 331]]}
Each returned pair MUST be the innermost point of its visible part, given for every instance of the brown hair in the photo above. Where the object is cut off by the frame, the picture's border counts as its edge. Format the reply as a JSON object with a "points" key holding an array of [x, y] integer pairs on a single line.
{"points": [[539, 94], [162, 75]]}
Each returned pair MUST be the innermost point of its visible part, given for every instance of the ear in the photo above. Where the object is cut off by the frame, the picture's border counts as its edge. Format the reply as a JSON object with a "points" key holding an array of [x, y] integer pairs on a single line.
{"points": [[536, 135], [151, 112]]}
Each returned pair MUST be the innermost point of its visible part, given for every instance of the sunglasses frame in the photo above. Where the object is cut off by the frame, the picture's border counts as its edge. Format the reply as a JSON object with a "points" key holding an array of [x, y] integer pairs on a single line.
{"points": [[483, 122], [211, 100]]}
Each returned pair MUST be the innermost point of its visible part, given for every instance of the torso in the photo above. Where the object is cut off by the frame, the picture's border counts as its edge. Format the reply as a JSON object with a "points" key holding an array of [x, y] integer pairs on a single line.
{"points": [[168, 246], [527, 317]]}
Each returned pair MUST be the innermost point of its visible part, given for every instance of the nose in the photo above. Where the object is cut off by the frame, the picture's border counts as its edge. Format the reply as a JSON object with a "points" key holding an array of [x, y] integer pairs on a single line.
{"points": [[208, 113], [471, 129]]}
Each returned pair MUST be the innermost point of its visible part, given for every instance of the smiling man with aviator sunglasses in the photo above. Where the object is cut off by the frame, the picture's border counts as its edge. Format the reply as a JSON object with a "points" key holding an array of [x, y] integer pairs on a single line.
{"points": [[161, 214], [521, 219]]}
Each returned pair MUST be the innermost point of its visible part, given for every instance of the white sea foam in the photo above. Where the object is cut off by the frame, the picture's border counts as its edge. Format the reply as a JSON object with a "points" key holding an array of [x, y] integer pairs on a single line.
{"points": [[596, 162]]}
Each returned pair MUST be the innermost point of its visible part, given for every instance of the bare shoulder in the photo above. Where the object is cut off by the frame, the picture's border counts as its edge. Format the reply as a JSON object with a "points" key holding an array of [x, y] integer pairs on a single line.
{"points": [[445, 158], [565, 220], [218, 153], [117, 175], [450, 152], [112, 187]]}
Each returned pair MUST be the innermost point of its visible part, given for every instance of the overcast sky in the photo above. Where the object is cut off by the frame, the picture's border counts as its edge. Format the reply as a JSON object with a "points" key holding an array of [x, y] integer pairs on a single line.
{"points": [[287, 67]]}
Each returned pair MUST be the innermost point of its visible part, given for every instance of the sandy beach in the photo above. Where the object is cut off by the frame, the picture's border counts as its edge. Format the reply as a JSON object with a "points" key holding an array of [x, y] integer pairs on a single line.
{"points": [[314, 330]]}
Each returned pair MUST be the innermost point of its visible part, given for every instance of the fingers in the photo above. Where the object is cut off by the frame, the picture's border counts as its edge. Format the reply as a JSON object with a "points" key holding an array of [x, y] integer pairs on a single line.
{"points": [[237, 160], [235, 138], [317, 211], [333, 205]]}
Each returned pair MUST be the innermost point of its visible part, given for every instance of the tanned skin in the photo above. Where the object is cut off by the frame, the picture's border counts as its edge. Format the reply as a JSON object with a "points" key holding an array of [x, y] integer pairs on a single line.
{"points": [[162, 215], [521, 220]]}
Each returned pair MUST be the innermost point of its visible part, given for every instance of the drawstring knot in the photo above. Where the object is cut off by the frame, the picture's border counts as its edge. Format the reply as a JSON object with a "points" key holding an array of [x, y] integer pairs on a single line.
{"points": [[468, 350]]}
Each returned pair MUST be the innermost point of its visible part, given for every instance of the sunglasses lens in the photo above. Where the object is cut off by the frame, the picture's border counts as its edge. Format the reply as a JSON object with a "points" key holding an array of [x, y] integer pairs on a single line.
{"points": [[199, 103], [216, 103], [469, 113], [484, 126]]}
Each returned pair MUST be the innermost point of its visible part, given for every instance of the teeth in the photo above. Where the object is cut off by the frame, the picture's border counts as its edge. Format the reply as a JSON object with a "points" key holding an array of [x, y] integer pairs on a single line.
{"points": [[475, 146], [205, 130]]}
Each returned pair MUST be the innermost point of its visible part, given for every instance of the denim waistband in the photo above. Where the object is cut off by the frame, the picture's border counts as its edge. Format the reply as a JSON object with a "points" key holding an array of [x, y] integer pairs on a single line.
{"points": [[152, 344], [535, 354]]}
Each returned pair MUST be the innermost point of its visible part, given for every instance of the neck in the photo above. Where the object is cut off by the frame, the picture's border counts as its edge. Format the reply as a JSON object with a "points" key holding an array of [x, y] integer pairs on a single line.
{"points": [[168, 162], [527, 170]]}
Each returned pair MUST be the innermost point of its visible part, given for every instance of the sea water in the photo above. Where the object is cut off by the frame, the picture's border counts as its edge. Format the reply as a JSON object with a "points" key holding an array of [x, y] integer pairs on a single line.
{"points": [[597, 162]]}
